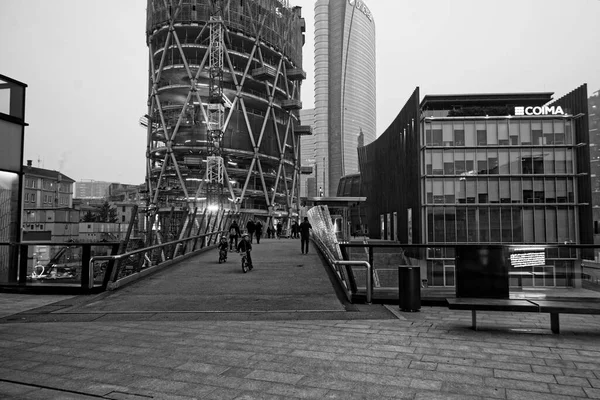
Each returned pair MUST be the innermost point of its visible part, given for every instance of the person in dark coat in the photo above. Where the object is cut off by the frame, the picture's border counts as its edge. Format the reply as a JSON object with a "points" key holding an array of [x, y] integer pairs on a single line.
{"points": [[250, 228], [269, 231], [279, 230], [295, 230], [258, 230], [246, 247], [305, 228], [234, 234]]}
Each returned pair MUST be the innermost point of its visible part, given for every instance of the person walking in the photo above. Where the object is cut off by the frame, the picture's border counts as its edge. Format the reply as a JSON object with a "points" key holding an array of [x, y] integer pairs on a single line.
{"points": [[279, 230], [269, 231], [234, 234], [250, 228], [295, 230], [258, 230], [305, 228]]}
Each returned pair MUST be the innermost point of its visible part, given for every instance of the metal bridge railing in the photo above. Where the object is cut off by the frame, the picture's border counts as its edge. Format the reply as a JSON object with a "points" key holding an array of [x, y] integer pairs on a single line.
{"points": [[325, 239], [90, 266], [169, 252]]}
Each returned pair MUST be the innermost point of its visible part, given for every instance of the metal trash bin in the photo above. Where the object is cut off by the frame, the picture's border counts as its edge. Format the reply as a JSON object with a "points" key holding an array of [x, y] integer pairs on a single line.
{"points": [[409, 288]]}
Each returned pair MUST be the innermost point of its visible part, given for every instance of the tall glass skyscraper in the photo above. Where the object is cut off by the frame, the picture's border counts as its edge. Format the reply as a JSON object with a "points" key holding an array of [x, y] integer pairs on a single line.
{"points": [[344, 88]]}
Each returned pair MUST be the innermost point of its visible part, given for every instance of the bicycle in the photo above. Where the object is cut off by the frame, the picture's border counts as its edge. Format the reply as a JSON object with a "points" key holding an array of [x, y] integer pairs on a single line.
{"points": [[245, 266]]}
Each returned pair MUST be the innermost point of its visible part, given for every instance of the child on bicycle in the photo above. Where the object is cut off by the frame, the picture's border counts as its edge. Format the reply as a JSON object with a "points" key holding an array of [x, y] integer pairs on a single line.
{"points": [[246, 246], [223, 246]]}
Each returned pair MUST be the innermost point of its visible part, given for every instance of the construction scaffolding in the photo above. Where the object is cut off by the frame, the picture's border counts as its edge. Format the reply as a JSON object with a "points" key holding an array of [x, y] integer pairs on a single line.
{"points": [[223, 103]]}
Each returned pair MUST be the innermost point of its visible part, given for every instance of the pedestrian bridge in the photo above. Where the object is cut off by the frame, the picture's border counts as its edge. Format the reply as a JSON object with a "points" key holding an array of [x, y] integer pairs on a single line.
{"points": [[284, 284], [283, 280]]}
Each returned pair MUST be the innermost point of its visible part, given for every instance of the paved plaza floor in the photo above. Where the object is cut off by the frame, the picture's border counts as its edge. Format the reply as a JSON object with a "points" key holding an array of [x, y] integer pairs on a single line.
{"points": [[431, 354], [128, 345]]}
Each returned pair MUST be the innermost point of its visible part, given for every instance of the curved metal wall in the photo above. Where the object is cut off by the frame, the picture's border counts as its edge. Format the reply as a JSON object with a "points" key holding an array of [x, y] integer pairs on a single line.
{"points": [[390, 175], [262, 70]]}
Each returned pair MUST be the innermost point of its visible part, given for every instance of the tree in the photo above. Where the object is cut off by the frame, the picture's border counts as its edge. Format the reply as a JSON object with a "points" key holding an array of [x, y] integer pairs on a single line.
{"points": [[106, 213], [88, 217]]}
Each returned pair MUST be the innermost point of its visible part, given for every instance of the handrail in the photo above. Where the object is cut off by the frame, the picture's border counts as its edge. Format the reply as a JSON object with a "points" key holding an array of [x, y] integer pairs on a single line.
{"points": [[144, 250], [331, 259], [369, 281]]}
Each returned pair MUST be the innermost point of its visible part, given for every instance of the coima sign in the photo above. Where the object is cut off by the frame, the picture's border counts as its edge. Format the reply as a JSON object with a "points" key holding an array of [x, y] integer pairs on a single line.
{"points": [[361, 6], [543, 110]]}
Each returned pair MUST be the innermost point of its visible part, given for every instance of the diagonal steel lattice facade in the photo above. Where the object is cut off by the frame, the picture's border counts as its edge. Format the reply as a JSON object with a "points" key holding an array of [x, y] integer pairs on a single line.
{"points": [[249, 52]]}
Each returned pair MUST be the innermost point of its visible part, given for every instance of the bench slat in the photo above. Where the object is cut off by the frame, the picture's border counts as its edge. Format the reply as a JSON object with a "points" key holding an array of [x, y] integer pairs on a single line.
{"points": [[568, 307], [481, 304]]}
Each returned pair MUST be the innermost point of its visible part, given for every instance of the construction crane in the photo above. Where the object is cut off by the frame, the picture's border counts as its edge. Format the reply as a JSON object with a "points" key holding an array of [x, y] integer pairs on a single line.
{"points": [[216, 112]]}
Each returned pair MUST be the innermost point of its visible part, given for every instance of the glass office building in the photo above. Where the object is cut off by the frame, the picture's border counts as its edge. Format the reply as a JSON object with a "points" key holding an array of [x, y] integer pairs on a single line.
{"points": [[345, 92], [496, 169]]}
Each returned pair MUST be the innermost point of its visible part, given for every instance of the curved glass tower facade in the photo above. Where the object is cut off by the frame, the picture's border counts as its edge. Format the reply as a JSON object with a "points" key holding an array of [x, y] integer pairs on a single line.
{"points": [[345, 79], [223, 105]]}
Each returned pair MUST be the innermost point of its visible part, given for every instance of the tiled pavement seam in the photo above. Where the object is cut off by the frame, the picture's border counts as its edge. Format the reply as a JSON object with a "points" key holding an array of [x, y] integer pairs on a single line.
{"points": [[427, 355]]}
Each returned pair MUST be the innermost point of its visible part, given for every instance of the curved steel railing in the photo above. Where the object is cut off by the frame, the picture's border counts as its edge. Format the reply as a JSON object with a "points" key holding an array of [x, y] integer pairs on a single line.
{"points": [[112, 272]]}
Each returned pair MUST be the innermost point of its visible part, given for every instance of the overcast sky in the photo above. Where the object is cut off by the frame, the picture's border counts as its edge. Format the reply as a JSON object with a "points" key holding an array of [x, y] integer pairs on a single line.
{"points": [[85, 64]]}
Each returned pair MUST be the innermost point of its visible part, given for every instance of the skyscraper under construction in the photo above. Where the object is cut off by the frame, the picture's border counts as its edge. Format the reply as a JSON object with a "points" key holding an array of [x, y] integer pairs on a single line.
{"points": [[223, 104]]}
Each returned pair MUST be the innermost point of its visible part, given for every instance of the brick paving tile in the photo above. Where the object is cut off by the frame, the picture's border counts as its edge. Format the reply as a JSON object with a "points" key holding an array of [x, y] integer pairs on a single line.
{"points": [[259, 396], [322, 382], [462, 369], [525, 360], [560, 363], [474, 390], [425, 384], [582, 373], [428, 366], [222, 394], [299, 392], [526, 395], [592, 393], [272, 376], [517, 384], [504, 365], [572, 391], [538, 369], [572, 381], [593, 367], [340, 395], [525, 376], [13, 389], [202, 367], [443, 396]]}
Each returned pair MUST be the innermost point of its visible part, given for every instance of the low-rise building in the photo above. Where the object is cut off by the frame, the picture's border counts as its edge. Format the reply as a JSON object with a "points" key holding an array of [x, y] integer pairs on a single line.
{"points": [[48, 213]]}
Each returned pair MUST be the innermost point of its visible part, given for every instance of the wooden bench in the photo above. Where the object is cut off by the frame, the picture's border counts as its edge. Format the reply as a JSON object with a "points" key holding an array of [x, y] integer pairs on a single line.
{"points": [[553, 307], [556, 307]]}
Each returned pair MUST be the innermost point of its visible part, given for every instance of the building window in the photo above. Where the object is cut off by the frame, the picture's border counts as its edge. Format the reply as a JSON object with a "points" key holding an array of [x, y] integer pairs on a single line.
{"points": [[459, 137], [32, 197], [481, 137], [448, 168], [26, 197]]}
